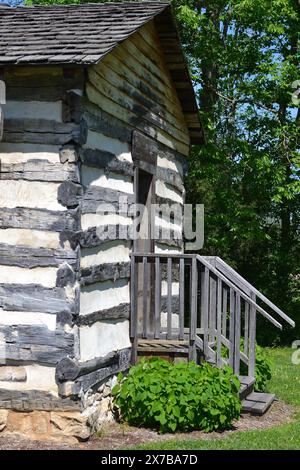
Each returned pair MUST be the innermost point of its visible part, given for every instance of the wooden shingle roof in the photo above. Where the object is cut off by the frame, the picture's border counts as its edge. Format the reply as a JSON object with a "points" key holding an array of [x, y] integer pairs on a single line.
{"points": [[60, 34], [83, 34]]}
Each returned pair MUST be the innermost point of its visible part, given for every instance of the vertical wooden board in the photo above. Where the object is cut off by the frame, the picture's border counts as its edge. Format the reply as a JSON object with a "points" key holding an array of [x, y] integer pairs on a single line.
{"points": [[145, 297], [157, 325], [231, 328], [193, 313], [237, 335], [212, 308], [252, 337], [133, 313], [181, 299], [169, 298], [219, 321]]}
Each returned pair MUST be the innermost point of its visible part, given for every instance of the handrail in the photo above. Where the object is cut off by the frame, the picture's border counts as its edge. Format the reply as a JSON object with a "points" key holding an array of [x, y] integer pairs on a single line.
{"points": [[251, 288], [239, 291]]}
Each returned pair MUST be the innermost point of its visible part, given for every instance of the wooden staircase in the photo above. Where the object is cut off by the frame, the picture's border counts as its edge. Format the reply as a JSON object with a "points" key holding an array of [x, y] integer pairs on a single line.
{"points": [[191, 307]]}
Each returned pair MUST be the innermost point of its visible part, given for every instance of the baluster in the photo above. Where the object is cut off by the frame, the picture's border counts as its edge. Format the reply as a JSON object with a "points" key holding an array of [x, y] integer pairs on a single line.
{"points": [[133, 313], [169, 299], [145, 297], [193, 313], [237, 336], [157, 312], [224, 321], [205, 306], [181, 299], [212, 309], [219, 322], [231, 328], [252, 336], [246, 333]]}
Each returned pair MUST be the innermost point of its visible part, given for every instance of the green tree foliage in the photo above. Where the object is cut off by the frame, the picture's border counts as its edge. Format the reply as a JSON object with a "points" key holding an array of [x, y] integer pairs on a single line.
{"points": [[244, 59]]}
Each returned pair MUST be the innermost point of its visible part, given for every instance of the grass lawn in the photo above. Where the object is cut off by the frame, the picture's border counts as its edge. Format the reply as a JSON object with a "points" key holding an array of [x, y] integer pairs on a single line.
{"points": [[285, 384]]}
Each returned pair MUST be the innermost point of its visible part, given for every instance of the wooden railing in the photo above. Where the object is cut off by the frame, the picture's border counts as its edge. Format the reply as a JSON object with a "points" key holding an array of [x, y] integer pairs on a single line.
{"points": [[198, 300]]}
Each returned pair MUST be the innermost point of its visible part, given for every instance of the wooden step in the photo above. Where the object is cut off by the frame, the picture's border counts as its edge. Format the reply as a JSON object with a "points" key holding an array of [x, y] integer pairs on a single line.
{"points": [[257, 403], [247, 386]]}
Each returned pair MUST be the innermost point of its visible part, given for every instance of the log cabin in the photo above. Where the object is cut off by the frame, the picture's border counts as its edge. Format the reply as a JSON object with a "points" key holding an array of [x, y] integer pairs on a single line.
{"points": [[98, 106]]}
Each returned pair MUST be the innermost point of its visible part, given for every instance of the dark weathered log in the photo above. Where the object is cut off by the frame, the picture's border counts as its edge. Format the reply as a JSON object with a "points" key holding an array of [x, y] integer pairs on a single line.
{"points": [[68, 153], [42, 131], [34, 298], [68, 369], [35, 343], [39, 170], [106, 161], [93, 197], [88, 381], [26, 257], [95, 237], [104, 272], [39, 219], [69, 194], [66, 276], [170, 177], [31, 400], [175, 272], [119, 312], [174, 303], [171, 242]]}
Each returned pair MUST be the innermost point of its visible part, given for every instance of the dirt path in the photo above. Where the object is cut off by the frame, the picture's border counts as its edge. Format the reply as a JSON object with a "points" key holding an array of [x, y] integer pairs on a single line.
{"points": [[116, 436]]}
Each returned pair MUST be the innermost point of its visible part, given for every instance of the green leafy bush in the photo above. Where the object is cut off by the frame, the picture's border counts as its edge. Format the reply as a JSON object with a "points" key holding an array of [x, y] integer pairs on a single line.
{"points": [[178, 397], [263, 371]]}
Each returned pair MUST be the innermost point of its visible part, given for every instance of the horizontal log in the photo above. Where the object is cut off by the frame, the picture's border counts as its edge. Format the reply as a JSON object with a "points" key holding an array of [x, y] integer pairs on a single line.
{"points": [[121, 311], [66, 276], [170, 177], [69, 194], [104, 272], [26, 257], [106, 161], [88, 381], [39, 219], [35, 343], [95, 237], [34, 298], [39, 170], [32, 400], [98, 120], [68, 369], [94, 196]]}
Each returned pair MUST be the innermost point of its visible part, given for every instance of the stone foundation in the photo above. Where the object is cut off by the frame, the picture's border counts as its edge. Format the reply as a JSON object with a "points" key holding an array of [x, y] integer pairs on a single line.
{"points": [[69, 426], [98, 405]]}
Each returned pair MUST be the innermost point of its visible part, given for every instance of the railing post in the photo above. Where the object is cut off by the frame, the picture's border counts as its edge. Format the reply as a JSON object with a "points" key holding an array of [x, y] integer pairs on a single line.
{"points": [[237, 335], [145, 297], [231, 328], [133, 310], [193, 313], [169, 299], [181, 299], [219, 323], [157, 322], [252, 337], [205, 307]]}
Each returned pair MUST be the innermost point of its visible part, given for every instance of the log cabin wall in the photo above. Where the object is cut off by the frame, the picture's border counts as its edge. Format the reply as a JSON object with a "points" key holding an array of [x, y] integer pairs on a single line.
{"points": [[130, 90], [39, 260]]}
